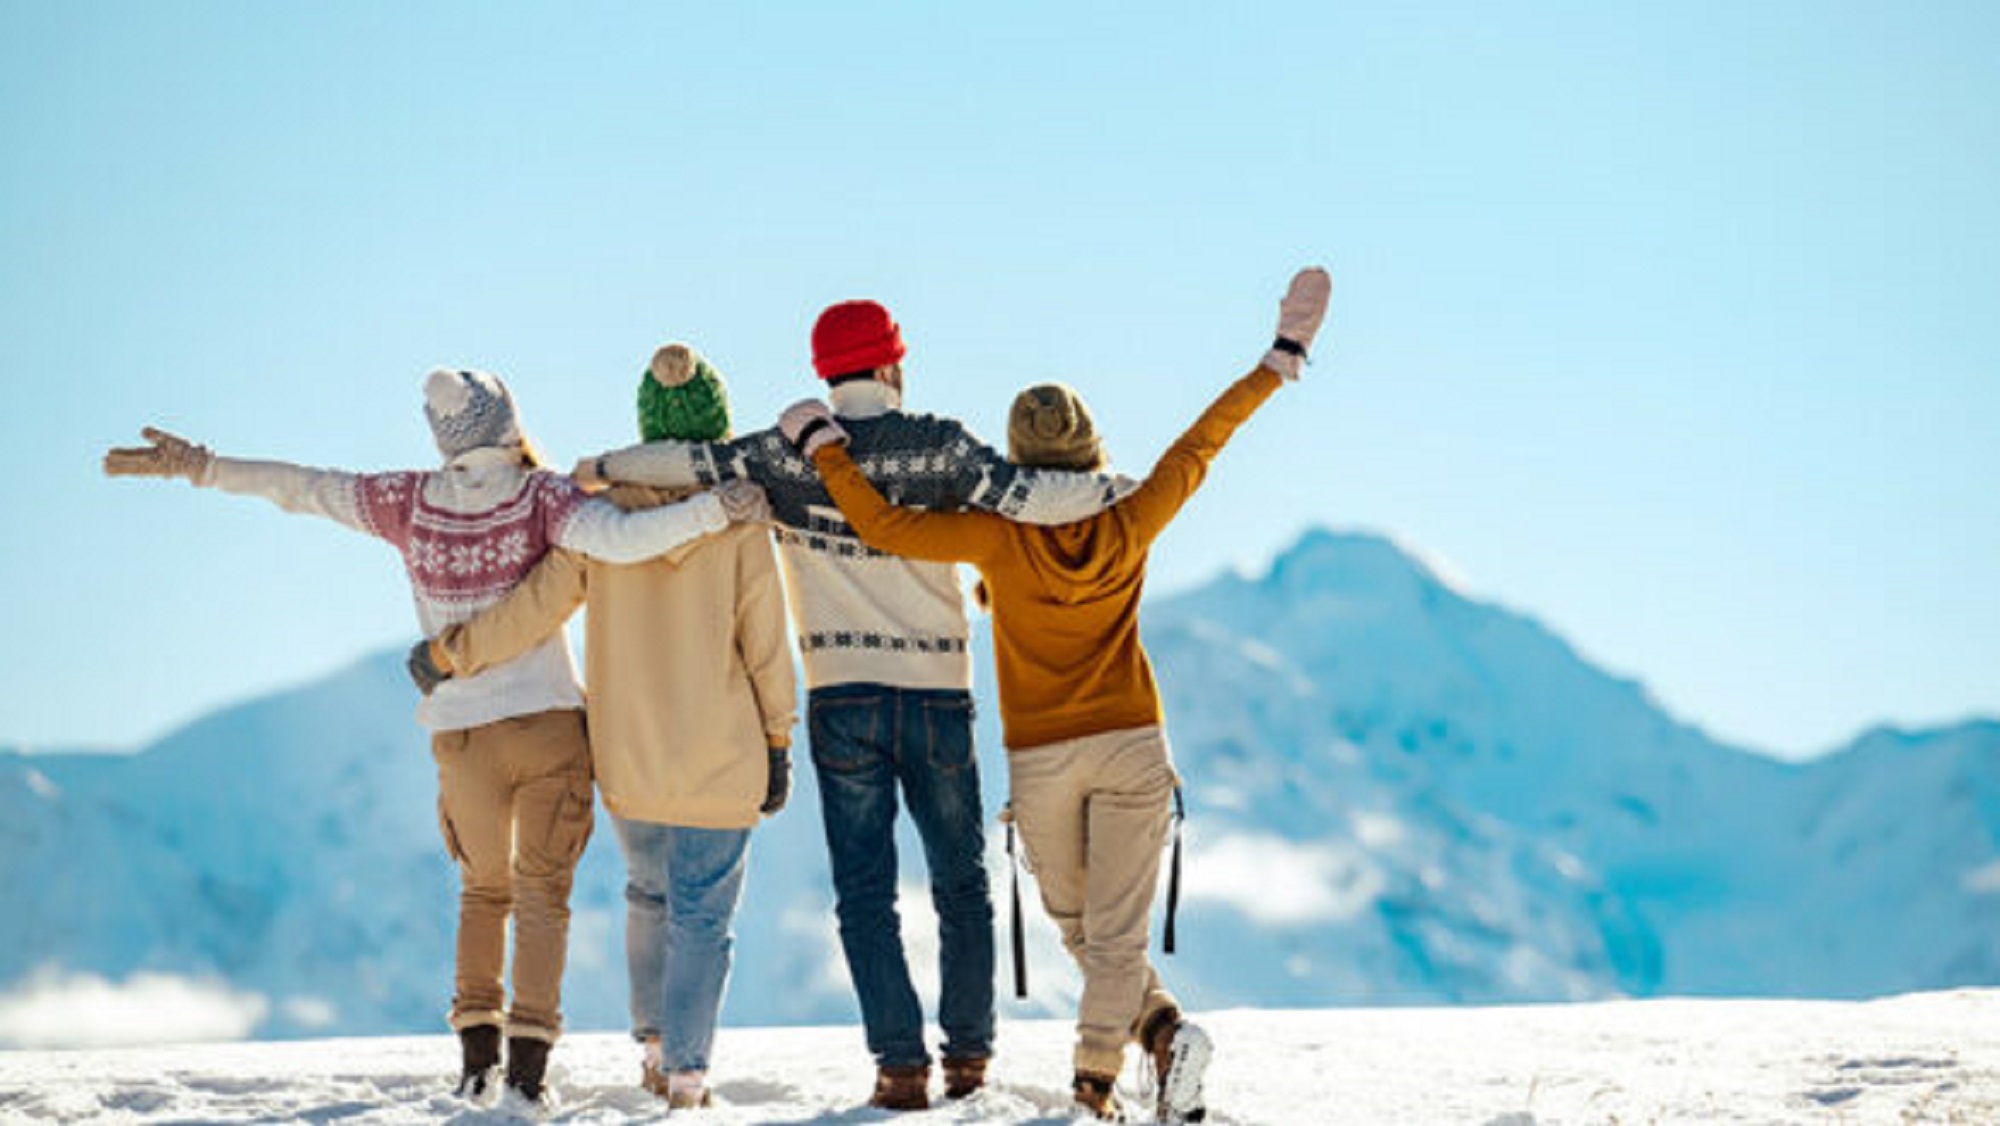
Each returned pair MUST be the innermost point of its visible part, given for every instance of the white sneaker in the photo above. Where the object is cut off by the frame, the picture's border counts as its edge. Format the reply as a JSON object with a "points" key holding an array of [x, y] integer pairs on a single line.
{"points": [[1181, 1098]]}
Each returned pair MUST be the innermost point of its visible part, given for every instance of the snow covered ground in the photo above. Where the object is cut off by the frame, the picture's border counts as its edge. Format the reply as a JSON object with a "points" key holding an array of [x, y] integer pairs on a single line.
{"points": [[1921, 1058]]}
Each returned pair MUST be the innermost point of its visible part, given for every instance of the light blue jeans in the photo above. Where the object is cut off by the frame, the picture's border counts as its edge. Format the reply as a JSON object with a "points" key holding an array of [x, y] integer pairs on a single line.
{"points": [[681, 889]]}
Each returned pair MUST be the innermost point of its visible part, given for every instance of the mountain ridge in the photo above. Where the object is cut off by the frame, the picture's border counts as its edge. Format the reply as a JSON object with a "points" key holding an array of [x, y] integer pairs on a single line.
{"points": [[1399, 794]]}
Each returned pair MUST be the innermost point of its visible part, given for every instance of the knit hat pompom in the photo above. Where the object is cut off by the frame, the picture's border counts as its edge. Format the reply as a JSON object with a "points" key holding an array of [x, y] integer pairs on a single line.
{"points": [[855, 336], [682, 398], [1050, 427], [468, 410]]}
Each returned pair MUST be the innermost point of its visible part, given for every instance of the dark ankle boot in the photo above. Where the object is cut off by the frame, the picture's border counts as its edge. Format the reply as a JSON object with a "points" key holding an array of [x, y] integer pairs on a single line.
{"points": [[902, 1088], [963, 1075], [527, 1064], [479, 1053]]}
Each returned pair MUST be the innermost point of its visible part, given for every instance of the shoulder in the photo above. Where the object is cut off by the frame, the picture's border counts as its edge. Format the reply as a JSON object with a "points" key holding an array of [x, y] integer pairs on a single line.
{"points": [[396, 490], [549, 483], [554, 494]]}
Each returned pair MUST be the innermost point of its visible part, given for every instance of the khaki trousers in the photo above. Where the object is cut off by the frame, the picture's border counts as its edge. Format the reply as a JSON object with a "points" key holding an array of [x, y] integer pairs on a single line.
{"points": [[514, 802], [1093, 813]]}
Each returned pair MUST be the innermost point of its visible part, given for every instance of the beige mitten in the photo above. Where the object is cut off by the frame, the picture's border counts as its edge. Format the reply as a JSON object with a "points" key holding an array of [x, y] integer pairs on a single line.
{"points": [[168, 455], [809, 424], [744, 502], [1299, 315]]}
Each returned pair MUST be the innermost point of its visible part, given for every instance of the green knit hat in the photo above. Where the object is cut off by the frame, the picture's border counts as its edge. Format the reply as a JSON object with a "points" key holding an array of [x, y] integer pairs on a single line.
{"points": [[682, 398]]}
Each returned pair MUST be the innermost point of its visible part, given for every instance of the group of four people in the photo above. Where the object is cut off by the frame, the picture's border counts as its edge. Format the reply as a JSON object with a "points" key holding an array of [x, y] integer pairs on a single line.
{"points": [[692, 698]]}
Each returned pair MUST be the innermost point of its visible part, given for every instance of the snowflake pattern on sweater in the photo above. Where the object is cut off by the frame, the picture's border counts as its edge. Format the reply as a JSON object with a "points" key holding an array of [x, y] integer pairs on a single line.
{"points": [[461, 562]]}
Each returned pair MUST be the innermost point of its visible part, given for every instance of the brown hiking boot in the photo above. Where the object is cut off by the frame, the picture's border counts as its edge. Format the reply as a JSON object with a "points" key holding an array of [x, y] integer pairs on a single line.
{"points": [[902, 1088], [652, 1079], [963, 1076], [688, 1090], [1094, 1094]]}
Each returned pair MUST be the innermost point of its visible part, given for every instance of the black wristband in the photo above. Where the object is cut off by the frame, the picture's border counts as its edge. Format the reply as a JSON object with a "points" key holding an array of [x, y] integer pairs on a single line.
{"points": [[808, 430], [1287, 344]]}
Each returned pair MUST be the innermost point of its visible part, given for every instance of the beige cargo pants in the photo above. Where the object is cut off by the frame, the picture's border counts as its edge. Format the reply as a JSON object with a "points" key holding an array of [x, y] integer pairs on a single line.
{"points": [[514, 801], [1093, 813]]}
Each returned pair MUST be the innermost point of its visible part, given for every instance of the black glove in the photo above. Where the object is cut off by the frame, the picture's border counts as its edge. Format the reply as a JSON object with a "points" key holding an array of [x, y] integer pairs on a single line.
{"points": [[779, 789], [424, 672]]}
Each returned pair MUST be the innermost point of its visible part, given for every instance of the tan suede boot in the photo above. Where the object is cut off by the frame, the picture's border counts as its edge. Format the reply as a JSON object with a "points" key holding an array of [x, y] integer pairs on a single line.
{"points": [[1095, 1096]]}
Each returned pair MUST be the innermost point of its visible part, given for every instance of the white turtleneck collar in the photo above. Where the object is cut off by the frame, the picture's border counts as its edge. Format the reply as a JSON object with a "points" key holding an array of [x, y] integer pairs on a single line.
{"points": [[864, 398]]}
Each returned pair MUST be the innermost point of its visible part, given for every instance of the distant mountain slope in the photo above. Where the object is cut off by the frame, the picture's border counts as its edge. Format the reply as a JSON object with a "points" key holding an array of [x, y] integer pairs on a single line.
{"points": [[1398, 794]]}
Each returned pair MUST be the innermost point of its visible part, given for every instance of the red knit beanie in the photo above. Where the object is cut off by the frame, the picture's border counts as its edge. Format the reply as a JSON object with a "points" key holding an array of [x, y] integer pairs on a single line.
{"points": [[855, 336]]}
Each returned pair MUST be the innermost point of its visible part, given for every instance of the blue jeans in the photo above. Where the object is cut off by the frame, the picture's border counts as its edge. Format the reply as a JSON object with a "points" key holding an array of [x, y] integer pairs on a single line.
{"points": [[868, 739], [681, 890]]}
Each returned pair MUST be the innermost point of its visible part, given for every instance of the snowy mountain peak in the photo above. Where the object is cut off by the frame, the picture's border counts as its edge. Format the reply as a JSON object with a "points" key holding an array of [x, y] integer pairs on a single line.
{"points": [[1355, 560]]}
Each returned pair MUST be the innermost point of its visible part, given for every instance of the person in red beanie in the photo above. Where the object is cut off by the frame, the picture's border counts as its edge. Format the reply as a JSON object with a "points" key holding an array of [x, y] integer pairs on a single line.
{"points": [[889, 704]]}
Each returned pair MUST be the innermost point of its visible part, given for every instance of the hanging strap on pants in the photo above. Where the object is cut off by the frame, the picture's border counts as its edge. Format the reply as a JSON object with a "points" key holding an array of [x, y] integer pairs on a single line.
{"points": [[1173, 873], [1016, 939]]}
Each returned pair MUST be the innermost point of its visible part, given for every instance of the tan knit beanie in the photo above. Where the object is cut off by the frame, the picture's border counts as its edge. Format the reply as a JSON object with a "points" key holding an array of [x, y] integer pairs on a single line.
{"points": [[1050, 427]]}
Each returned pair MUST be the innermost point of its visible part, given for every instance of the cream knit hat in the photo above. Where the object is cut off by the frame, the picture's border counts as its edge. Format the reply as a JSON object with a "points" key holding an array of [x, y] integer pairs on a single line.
{"points": [[468, 410]]}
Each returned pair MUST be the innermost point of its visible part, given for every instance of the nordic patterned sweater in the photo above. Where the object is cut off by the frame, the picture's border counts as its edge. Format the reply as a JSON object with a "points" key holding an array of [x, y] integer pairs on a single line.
{"points": [[865, 616], [469, 533]]}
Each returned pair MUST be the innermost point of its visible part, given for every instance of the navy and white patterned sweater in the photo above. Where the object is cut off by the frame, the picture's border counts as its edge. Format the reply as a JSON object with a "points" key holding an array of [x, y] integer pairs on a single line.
{"points": [[863, 616]]}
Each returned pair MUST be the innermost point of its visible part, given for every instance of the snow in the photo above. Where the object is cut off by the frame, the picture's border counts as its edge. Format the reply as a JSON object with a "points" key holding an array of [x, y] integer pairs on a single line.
{"points": [[1917, 1058]]}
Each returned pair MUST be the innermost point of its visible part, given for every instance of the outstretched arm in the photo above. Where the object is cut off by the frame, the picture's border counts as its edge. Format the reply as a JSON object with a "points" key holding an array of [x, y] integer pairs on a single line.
{"points": [[328, 493], [533, 610]]}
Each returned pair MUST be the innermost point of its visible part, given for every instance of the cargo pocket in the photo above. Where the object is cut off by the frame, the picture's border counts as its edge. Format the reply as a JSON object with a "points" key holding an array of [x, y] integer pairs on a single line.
{"points": [[450, 832], [570, 828]]}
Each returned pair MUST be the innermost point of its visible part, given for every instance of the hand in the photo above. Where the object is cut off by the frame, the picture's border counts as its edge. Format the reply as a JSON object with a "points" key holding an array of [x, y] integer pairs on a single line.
{"points": [[1300, 313], [744, 502], [808, 424], [589, 475], [778, 790], [427, 668], [168, 455]]}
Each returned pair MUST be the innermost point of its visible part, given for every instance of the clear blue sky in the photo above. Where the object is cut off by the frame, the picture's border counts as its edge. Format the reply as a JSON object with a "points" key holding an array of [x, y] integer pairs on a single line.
{"points": [[1674, 324]]}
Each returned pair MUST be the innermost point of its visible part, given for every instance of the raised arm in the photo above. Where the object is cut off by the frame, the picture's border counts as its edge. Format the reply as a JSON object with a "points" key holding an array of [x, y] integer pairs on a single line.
{"points": [[1181, 469], [533, 610], [944, 537]]}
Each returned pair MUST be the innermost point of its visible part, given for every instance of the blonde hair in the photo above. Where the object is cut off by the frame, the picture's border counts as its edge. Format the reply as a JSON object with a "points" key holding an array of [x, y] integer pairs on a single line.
{"points": [[530, 456]]}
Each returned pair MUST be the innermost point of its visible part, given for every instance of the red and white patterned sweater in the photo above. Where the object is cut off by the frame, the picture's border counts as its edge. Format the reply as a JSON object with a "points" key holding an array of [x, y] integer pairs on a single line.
{"points": [[467, 534]]}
